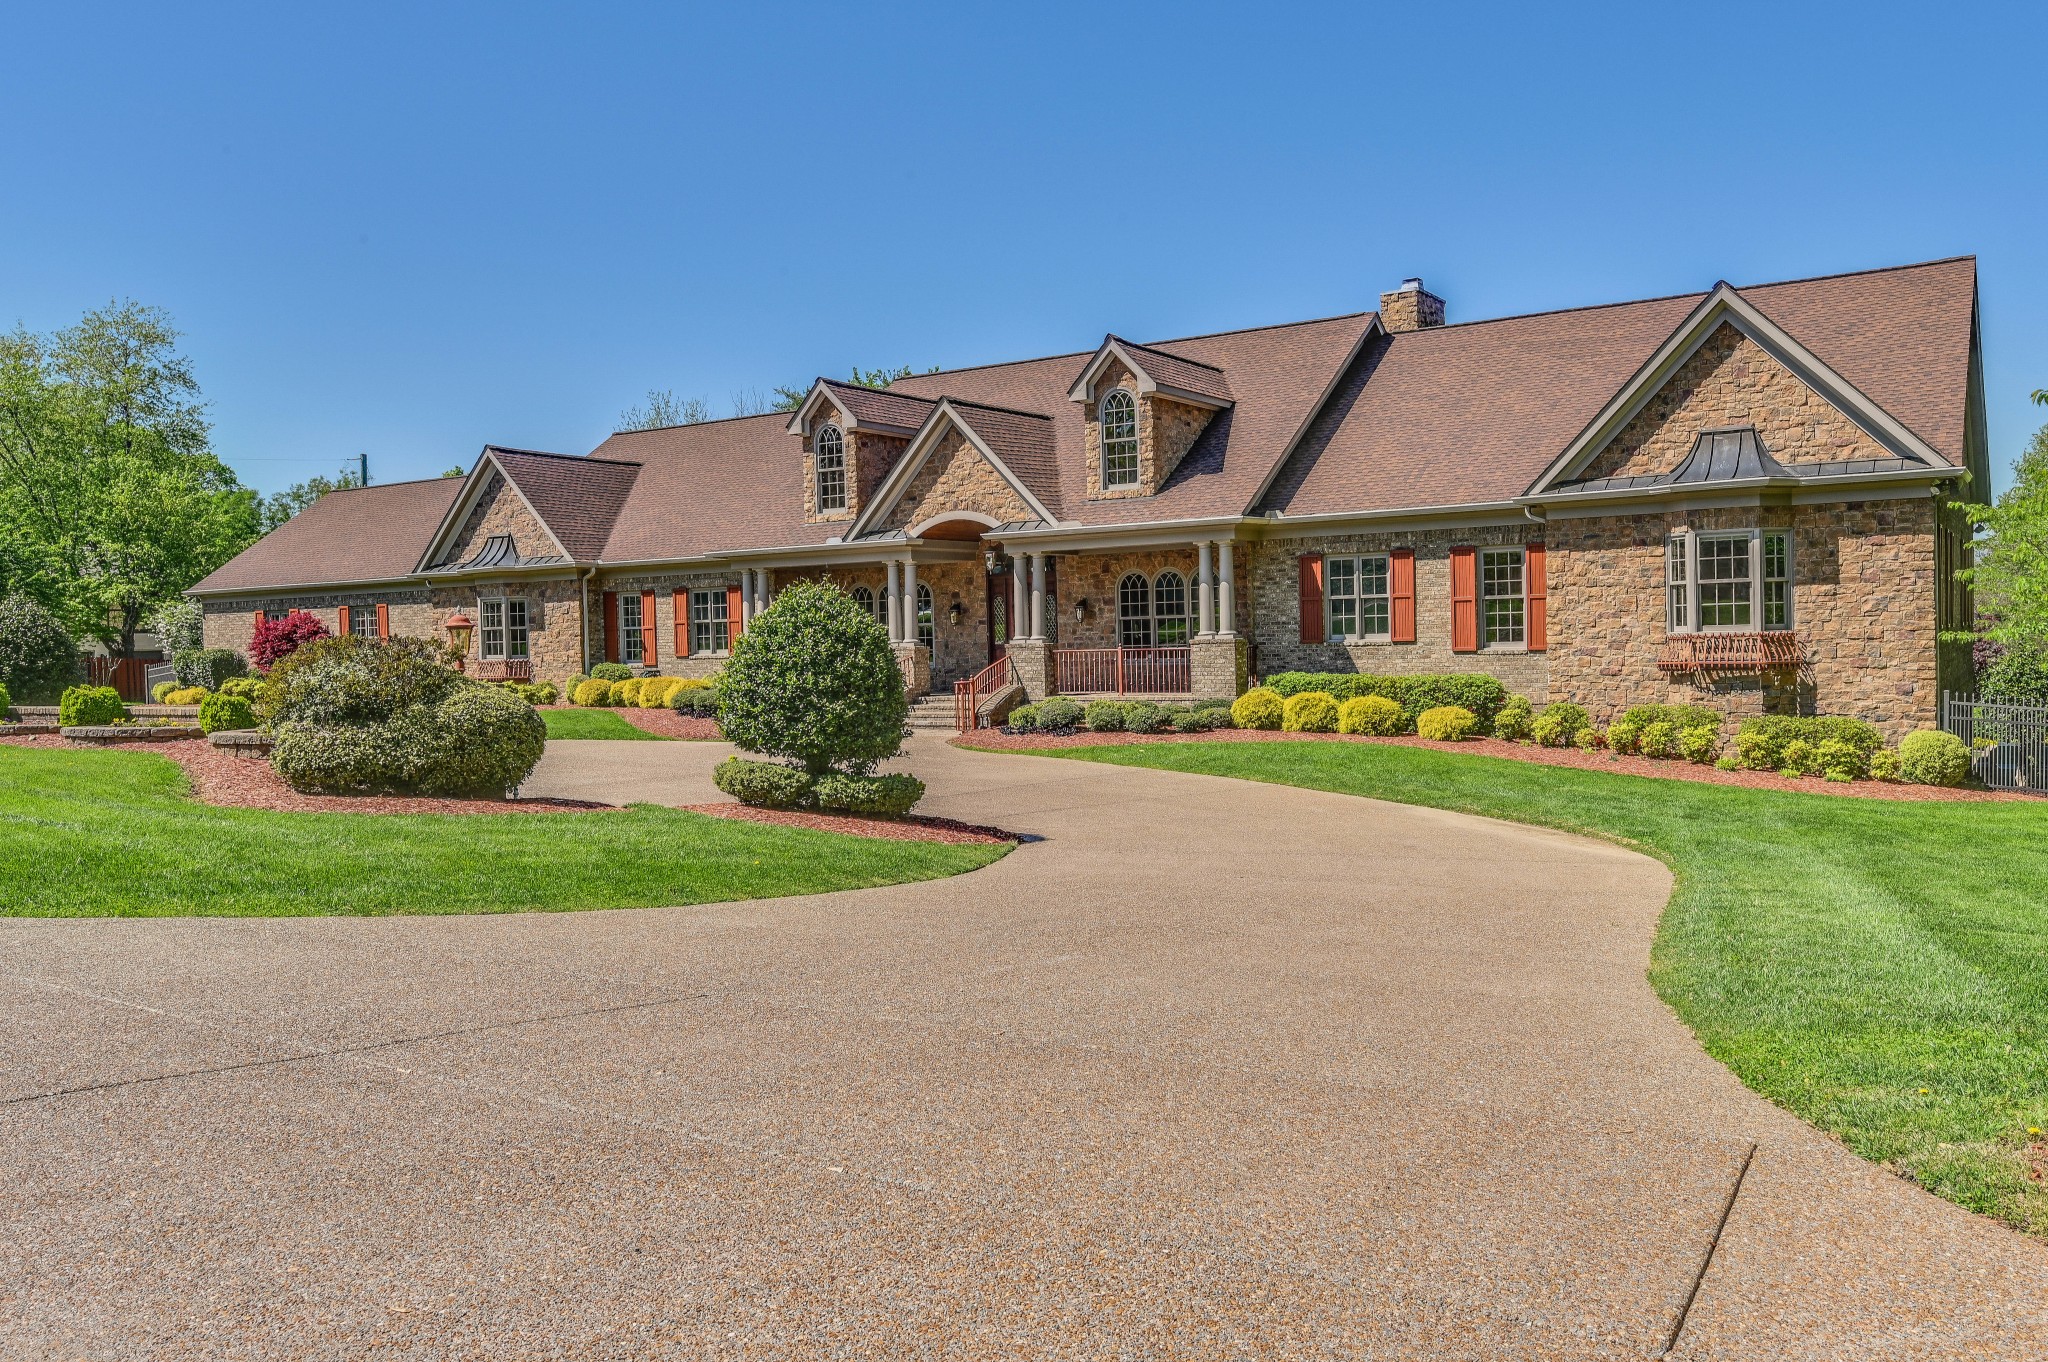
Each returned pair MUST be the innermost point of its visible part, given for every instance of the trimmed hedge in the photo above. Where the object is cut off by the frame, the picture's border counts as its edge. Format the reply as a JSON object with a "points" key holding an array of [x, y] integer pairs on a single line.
{"points": [[186, 695], [1762, 743], [90, 706], [876, 796], [1372, 715], [1559, 725], [225, 713], [595, 692], [612, 671], [1260, 707], [1311, 711], [765, 784], [1515, 719], [1476, 692]]}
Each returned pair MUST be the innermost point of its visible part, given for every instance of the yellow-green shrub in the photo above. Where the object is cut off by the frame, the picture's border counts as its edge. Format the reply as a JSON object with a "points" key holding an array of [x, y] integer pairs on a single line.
{"points": [[1374, 715], [593, 692], [684, 683], [1446, 723], [1312, 711], [626, 694], [186, 695], [657, 691], [1258, 708]]}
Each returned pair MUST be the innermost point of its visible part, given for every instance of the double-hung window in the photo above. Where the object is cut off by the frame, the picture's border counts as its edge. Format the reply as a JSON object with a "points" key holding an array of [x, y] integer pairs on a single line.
{"points": [[632, 635], [710, 626], [1728, 581], [1504, 606], [362, 621], [1356, 596], [501, 627]]}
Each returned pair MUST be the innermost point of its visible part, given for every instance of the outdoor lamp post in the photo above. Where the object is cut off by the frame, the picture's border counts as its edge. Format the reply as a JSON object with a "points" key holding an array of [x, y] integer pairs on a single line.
{"points": [[459, 627]]}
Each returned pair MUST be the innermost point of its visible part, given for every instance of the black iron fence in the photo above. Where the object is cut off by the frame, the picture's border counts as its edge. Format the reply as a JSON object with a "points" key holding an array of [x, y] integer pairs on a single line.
{"points": [[2008, 743]]}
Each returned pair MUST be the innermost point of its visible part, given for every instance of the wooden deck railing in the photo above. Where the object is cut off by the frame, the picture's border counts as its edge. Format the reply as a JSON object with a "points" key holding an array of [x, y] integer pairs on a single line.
{"points": [[969, 694], [1123, 671], [1772, 650]]}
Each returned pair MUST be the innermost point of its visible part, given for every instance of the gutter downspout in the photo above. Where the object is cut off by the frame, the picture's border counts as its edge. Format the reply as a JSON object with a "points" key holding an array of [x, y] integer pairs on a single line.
{"points": [[583, 621]]}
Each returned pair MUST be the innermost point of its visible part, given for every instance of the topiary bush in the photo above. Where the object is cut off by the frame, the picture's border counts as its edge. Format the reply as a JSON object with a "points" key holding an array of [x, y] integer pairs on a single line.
{"points": [[596, 692], [1372, 715], [612, 671], [1932, 757], [1699, 744], [362, 715], [1658, 739], [1057, 714], [1260, 707], [90, 706], [1312, 711], [277, 639], [1558, 724], [876, 796], [207, 668], [1884, 764], [37, 657], [1513, 722], [225, 713], [766, 784], [1446, 723], [814, 680], [186, 695]]}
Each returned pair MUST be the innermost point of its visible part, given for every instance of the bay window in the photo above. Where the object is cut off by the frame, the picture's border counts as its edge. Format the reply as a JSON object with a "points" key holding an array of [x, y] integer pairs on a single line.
{"points": [[1728, 581]]}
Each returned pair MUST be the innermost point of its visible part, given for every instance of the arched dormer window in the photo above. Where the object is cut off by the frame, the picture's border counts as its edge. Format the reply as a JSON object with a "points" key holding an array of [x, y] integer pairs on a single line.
{"points": [[829, 448], [1170, 610], [1119, 418], [1134, 611]]}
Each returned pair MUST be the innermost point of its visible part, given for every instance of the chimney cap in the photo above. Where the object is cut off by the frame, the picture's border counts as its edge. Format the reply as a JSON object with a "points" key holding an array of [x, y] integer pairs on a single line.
{"points": [[1410, 285]]}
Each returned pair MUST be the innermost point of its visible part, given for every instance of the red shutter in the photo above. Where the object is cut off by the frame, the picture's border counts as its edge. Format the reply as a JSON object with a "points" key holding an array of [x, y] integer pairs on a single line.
{"points": [[1401, 590], [611, 626], [342, 616], [679, 600], [1534, 562], [383, 620], [650, 632], [734, 623], [1311, 598], [1464, 600]]}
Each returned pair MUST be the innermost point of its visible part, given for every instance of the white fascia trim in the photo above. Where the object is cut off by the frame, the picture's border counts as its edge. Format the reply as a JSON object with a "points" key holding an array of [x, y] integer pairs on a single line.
{"points": [[1725, 304], [1111, 348], [1071, 538], [1315, 409], [466, 503], [801, 417], [919, 450]]}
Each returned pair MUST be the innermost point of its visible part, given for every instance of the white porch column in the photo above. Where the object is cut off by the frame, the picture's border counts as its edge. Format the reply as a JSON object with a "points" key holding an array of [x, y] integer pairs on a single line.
{"points": [[1205, 591], [1038, 595], [761, 590], [1226, 593], [892, 614], [746, 597], [1020, 598], [910, 602]]}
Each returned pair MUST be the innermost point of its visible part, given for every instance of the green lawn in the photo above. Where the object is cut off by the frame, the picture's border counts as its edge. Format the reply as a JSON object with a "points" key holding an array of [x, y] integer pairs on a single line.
{"points": [[594, 723], [108, 833], [1879, 968]]}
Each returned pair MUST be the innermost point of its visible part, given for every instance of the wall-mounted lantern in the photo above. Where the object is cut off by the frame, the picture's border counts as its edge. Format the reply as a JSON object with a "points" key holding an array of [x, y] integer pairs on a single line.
{"points": [[1081, 611], [953, 611]]}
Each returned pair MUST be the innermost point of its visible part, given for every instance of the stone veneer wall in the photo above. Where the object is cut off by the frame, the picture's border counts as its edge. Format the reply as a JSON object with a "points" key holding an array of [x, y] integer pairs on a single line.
{"points": [[956, 478], [501, 510], [1093, 577], [869, 457], [664, 585], [1731, 381], [1167, 429], [1276, 597]]}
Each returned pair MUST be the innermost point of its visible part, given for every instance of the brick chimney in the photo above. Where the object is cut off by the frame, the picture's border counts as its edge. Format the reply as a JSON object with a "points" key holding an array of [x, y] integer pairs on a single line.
{"points": [[1410, 307]]}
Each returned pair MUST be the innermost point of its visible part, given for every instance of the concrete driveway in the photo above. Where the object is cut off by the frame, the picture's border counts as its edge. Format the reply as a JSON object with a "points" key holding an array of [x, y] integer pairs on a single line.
{"points": [[1216, 1070]]}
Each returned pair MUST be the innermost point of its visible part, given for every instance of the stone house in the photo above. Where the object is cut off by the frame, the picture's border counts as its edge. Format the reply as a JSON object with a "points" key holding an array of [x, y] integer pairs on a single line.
{"points": [[1739, 498]]}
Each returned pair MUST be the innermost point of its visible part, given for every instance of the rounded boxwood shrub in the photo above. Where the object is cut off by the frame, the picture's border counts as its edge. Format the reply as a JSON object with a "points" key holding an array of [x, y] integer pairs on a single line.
{"points": [[626, 694], [596, 691], [612, 671], [876, 796], [225, 713], [766, 784], [360, 715], [1658, 740], [1022, 719], [1797, 757], [1312, 711], [1446, 723], [1699, 744], [250, 688], [186, 695], [89, 706], [1372, 715], [37, 657], [1623, 735], [1558, 724], [1145, 716], [1513, 722], [160, 690], [1104, 716], [1260, 707], [1932, 757], [1191, 721], [1057, 714], [1838, 760], [1589, 739], [659, 692], [1884, 764], [814, 680]]}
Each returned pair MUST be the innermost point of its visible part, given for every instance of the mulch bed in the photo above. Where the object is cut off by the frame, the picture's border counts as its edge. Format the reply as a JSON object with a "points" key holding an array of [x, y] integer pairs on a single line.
{"points": [[665, 722], [998, 741], [220, 777], [911, 828]]}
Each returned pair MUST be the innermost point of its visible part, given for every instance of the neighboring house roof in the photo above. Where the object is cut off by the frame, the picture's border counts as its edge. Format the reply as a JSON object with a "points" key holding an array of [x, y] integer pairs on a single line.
{"points": [[1474, 412], [358, 534]]}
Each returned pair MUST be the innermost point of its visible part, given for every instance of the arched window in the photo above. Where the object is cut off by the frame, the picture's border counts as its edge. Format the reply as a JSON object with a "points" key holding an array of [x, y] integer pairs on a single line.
{"points": [[830, 449], [1170, 610], [865, 599], [1134, 611], [1119, 440], [924, 614]]}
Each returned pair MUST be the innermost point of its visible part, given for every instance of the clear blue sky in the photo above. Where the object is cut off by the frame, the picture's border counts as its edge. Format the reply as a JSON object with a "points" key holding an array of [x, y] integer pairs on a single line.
{"points": [[413, 229]]}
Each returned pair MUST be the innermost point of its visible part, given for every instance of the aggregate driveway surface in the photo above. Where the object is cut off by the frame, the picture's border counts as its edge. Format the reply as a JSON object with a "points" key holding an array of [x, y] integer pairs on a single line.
{"points": [[1215, 1070]]}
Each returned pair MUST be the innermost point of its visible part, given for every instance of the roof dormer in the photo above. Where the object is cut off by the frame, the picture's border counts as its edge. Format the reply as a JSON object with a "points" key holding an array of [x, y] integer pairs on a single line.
{"points": [[1143, 409], [852, 436]]}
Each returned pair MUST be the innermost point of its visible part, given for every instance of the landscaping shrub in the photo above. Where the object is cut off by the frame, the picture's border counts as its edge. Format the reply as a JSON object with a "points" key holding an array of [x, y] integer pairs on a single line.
{"points": [[1623, 735], [1558, 724], [1781, 729], [1446, 723], [814, 680], [374, 715], [1884, 764], [1838, 760], [1057, 714], [766, 784], [1312, 711], [178, 624], [1191, 721], [626, 694], [1214, 714], [1104, 716], [1023, 719], [1658, 740], [186, 695], [1145, 716], [1728, 763], [1373, 715], [210, 668], [1797, 758], [877, 796], [1699, 744], [250, 688], [700, 702], [660, 693], [160, 690], [1681, 716], [1513, 722], [219, 713], [6, 702], [1589, 739], [37, 657], [533, 692], [596, 691], [1932, 757], [1481, 694], [2018, 676], [277, 639], [88, 706], [611, 671], [1260, 707]]}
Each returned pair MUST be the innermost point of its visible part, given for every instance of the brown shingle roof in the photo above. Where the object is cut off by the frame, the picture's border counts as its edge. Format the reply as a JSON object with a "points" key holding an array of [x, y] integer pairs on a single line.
{"points": [[359, 534], [1024, 441], [1475, 412], [1204, 380], [712, 488], [577, 497], [878, 406]]}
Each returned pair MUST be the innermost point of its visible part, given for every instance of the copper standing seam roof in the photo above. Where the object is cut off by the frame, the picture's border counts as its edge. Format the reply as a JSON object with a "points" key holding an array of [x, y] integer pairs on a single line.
{"points": [[578, 497]]}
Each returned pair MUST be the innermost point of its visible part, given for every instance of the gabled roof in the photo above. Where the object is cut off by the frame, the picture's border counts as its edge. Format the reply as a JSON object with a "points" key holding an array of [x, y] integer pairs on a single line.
{"points": [[575, 498], [358, 534], [1477, 412], [867, 408], [1175, 376], [1019, 445]]}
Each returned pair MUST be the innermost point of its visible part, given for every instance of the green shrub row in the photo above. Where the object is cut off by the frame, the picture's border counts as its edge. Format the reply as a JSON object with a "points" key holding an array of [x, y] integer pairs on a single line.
{"points": [[1481, 694]]}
